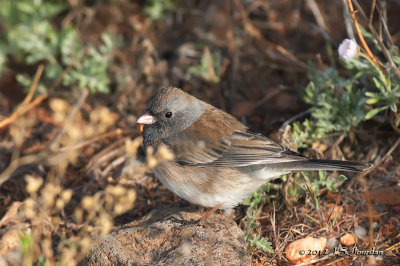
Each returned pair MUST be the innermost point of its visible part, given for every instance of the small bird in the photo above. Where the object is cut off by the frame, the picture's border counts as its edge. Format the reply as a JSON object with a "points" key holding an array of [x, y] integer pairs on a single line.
{"points": [[218, 161]]}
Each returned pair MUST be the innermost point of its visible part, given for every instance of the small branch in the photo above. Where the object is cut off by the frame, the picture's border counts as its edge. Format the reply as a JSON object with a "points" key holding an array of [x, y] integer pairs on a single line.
{"points": [[117, 132], [378, 39], [22, 110], [317, 14], [292, 119], [347, 20], [28, 159], [60, 77], [371, 15], [255, 33], [394, 147], [361, 37], [26, 106], [46, 153], [71, 116], [370, 208], [382, 7], [34, 85]]}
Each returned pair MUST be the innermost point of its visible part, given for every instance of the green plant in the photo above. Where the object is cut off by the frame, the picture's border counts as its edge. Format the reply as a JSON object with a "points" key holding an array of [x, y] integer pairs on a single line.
{"points": [[339, 103], [30, 39], [210, 68], [254, 202], [156, 9]]}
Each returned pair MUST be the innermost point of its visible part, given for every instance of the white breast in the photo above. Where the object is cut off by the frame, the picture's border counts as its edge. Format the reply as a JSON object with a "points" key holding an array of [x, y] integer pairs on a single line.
{"points": [[209, 187]]}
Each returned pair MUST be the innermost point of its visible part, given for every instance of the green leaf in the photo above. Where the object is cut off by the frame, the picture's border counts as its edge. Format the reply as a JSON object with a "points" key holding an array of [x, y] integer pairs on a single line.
{"points": [[393, 107], [341, 178], [322, 175], [396, 59], [330, 185], [156, 9], [373, 112], [379, 84], [262, 243], [372, 101]]}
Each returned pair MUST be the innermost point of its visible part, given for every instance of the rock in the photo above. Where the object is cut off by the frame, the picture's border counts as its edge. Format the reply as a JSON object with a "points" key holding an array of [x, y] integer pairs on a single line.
{"points": [[168, 237], [10, 258], [305, 249], [348, 239]]}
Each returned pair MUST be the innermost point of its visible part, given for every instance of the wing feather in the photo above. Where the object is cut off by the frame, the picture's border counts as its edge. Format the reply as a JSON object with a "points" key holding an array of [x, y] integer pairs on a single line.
{"points": [[229, 144]]}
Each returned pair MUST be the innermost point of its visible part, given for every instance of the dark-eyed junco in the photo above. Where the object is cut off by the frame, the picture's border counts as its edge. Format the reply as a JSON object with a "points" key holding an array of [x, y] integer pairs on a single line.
{"points": [[218, 161]]}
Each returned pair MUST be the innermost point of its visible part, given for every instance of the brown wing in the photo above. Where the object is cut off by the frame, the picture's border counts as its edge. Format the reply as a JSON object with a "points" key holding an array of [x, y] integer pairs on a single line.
{"points": [[249, 148], [218, 139], [205, 140]]}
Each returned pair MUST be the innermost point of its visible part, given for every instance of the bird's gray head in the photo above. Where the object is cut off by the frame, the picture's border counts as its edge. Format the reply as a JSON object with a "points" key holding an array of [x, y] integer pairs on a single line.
{"points": [[168, 112]]}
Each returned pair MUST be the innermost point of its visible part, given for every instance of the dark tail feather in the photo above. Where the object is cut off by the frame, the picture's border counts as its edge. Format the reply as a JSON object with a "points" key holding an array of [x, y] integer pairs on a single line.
{"points": [[318, 164]]}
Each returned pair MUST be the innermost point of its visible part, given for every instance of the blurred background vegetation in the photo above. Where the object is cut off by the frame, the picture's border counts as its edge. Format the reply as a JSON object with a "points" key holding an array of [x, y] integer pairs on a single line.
{"points": [[75, 75]]}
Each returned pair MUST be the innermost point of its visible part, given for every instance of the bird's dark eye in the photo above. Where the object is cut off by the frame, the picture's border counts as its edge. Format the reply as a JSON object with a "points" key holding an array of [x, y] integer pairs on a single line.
{"points": [[168, 114]]}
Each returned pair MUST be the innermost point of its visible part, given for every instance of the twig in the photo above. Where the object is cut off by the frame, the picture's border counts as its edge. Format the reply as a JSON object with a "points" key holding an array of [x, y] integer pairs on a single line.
{"points": [[371, 15], [120, 160], [378, 39], [393, 117], [333, 209], [60, 77], [347, 20], [28, 159], [370, 210], [117, 132], [292, 119], [46, 153], [317, 14], [255, 33], [34, 85], [269, 96], [361, 37], [383, 18], [394, 147], [71, 116], [367, 195], [105, 154], [273, 224], [23, 108], [393, 247], [25, 105]]}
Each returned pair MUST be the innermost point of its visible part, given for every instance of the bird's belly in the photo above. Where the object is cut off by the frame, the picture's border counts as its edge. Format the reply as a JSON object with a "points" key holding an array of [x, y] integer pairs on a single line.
{"points": [[208, 186]]}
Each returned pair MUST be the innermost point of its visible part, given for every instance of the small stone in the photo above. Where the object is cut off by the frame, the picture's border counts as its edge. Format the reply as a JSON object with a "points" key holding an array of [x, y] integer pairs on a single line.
{"points": [[305, 249], [348, 239]]}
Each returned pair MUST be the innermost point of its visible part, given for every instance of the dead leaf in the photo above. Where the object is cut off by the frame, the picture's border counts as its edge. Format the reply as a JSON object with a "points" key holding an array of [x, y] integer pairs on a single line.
{"points": [[375, 216], [388, 196], [334, 197], [335, 211]]}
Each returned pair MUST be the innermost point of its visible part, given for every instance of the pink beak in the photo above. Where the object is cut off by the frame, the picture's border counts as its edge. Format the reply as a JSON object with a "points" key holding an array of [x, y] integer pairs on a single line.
{"points": [[146, 119]]}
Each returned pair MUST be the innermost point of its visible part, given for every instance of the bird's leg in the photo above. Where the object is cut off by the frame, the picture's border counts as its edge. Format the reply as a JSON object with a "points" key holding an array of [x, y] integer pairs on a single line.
{"points": [[208, 213]]}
